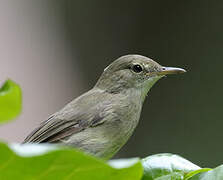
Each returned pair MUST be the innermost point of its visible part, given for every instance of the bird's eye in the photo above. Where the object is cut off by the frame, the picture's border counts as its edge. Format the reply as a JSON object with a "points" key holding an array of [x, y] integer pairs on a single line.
{"points": [[137, 68]]}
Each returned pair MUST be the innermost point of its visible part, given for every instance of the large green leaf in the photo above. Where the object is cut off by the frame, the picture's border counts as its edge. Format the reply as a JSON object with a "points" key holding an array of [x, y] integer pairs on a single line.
{"points": [[10, 101], [215, 174], [46, 162], [166, 166]]}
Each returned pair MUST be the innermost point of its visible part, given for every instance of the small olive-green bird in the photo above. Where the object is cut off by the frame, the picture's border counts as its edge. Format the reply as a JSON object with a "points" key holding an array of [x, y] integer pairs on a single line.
{"points": [[101, 120]]}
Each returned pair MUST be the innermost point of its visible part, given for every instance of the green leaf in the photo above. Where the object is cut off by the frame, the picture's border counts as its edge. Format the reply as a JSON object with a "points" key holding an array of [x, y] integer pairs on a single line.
{"points": [[10, 101], [215, 174], [192, 173], [166, 166], [46, 162]]}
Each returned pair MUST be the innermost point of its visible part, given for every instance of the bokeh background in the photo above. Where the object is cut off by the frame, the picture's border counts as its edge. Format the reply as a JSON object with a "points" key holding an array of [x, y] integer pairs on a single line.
{"points": [[56, 50]]}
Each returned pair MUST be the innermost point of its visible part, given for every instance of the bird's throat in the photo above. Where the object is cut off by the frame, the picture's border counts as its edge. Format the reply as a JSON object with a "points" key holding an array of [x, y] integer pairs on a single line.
{"points": [[147, 85]]}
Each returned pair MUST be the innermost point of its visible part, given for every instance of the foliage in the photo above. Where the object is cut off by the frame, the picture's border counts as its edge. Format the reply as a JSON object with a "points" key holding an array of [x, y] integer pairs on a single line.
{"points": [[166, 165], [10, 101], [45, 161], [215, 174], [33, 161]]}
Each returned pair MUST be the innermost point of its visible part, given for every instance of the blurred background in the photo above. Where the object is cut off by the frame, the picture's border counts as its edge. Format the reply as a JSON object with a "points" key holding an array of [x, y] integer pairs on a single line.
{"points": [[56, 50]]}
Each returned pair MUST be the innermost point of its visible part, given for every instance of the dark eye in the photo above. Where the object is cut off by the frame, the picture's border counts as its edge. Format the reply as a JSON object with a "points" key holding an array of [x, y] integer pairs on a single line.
{"points": [[137, 68]]}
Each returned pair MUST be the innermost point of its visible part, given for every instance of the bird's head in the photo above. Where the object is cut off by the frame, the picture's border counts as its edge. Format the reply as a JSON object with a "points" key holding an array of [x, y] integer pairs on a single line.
{"points": [[133, 72]]}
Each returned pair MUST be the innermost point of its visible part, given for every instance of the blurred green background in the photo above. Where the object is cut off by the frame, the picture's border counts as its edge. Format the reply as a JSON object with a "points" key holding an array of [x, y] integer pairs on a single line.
{"points": [[56, 50]]}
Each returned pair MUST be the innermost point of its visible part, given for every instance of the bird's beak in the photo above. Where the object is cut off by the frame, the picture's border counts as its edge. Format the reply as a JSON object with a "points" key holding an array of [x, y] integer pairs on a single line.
{"points": [[170, 70]]}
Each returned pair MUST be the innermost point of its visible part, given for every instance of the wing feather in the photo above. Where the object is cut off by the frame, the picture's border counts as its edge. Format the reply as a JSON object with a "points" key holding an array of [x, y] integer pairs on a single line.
{"points": [[73, 118]]}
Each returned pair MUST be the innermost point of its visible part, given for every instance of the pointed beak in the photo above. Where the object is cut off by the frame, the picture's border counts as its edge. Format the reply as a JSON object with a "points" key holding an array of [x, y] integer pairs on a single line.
{"points": [[170, 70]]}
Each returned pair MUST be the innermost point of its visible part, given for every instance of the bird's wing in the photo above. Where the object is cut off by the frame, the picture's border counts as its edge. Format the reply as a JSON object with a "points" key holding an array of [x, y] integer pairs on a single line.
{"points": [[55, 129], [72, 119]]}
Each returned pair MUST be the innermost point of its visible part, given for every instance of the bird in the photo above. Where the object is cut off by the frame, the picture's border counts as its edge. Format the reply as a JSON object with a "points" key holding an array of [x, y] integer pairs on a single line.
{"points": [[100, 121]]}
